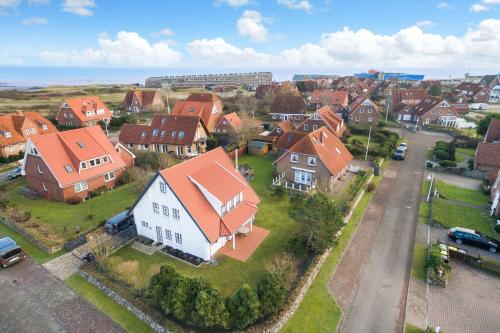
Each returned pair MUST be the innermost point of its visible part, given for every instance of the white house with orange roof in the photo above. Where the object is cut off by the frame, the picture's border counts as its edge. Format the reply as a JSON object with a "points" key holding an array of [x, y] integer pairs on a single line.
{"points": [[197, 206]]}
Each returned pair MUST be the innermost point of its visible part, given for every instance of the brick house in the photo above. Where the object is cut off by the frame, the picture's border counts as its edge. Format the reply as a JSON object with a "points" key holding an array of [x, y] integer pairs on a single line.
{"points": [[179, 135], [487, 157], [495, 196], [288, 107], [70, 164], [325, 116], [362, 111], [435, 110], [229, 124], [475, 92], [289, 139], [83, 112], [408, 96], [282, 128], [404, 112], [207, 106], [492, 82], [458, 102], [17, 127], [320, 98], [317, 160], [140, 100]]}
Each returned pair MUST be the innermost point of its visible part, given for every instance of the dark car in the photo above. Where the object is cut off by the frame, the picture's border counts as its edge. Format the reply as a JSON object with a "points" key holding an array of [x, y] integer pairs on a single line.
{"points": [[10, 252], [118, 223], [399, 154], [16, 173], [474, 238]]}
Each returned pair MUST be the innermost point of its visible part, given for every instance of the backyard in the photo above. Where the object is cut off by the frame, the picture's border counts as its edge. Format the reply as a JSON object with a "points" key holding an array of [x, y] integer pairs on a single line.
{"points": [[55, 222]]}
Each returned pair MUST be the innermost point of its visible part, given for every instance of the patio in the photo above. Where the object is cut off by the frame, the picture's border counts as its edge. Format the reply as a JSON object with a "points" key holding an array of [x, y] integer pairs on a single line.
{"points": [[245, 245]]}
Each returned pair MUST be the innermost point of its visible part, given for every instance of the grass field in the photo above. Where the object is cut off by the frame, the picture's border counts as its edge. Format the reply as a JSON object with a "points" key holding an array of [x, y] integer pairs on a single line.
{"points": [[318, 311], [54, 222], [107, 305], [473, 197], [137, 268], [413, 329], [418, 263]]}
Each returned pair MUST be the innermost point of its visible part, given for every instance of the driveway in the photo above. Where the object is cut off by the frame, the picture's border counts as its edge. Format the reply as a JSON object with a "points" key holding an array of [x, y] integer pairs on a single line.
{"points": [[32, 301], [456, 180], [372, 294]]}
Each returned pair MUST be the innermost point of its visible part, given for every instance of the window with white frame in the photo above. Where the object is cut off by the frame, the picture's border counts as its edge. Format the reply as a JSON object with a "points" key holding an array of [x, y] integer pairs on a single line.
{"points": [[109, 176], [81, 186], [370, 119], [12, 147], [236, 199], [105, 159], [45, 127], [165, 210], [83, 165], [278, 130], [178, 238], [223, 209], [294, 158], [168, 234], [306, 127], [176, 214], [44, 187], [145, 224], [156, 208], [163, 187], [27, 131], [311, 160], [33, 130], [315, 127], [34, 151], [230, 204]]}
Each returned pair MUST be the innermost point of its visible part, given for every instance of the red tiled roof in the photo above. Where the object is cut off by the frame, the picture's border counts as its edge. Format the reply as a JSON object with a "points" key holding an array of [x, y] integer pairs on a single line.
{"points": [[201, 105], [14, 123], [284, 126], [358, 102], [287, 104], [493, 133], [233, 120], [488, 154], [328, 118], [81, 105], [330, 97], [145, 97], [72, 147], [180, 180], [289, 139]]}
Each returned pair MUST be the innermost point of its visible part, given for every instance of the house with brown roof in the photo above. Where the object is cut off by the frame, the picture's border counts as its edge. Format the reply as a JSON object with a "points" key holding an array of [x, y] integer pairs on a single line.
{"points": [[229, 124], [179, 135], [458, 102], [317, 161], [488, 152], [288, 107], [492, 82], [70, 164], [141, 100], [282, 128], [435, 110], [198, 206], [82, 112], [320, 98], [475, 92], [206, 106], [361, 111], [289, 139], [408, 96], [325, 116], [17, 127], [404, 112]]}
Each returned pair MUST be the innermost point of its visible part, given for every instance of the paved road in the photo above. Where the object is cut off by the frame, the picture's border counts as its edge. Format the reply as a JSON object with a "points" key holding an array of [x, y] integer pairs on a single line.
{"points": [[376, 302], [33, 301]]}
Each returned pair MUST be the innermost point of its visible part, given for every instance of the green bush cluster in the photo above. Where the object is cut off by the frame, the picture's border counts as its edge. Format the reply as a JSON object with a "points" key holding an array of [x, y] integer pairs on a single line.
{"points": [[11, 158], [444, 151]]}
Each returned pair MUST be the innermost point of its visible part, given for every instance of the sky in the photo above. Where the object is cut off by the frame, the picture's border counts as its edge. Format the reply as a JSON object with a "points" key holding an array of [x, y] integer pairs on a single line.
{"points": [[432, 37]]}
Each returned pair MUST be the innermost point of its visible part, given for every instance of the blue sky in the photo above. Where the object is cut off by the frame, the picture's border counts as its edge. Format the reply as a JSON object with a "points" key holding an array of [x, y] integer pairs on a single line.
{"points": [[288, 34]]}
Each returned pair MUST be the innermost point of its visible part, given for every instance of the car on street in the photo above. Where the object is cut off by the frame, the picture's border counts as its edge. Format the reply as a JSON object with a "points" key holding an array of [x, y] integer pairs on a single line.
{"points": [[10, 252], [16, 173], [403, 146], [118, 223], [399, 154], [474, 238]]}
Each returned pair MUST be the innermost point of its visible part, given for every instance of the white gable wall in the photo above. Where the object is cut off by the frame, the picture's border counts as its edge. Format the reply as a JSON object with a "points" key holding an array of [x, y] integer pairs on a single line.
{"points": [[193, 240], [214, 202]]}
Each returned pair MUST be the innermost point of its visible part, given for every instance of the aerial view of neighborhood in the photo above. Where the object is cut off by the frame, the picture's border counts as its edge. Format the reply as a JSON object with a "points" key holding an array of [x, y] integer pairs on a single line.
{"points": [[287, 166]]}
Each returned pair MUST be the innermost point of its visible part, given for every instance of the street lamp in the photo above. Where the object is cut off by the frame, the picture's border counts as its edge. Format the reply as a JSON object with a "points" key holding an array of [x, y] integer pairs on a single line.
{"points": [[368, 144]]}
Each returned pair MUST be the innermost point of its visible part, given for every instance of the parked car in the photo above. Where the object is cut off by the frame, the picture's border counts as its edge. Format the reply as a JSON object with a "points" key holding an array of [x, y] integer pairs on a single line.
{"points": [[118, 223], [10, 252], [403, 146], [399, 154], [16, 173], [474, 238]]}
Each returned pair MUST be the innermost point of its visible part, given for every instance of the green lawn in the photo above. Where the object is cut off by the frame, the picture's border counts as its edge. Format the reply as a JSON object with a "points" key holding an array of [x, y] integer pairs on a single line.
{"points": [[468, 152], [451, 215], [32, 250], [107, 305], [137, 268], [54, 222], [473, 197], [409, 328], [423, 212], [418, 263], [318, 311]]}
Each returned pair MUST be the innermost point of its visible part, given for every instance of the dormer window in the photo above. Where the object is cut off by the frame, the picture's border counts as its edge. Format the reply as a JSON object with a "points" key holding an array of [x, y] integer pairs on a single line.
{"points": [[143, 134], [33, 130], [306, 127], [27, 131], [163, 120], [163, 133], [7, 134], [311, 160], [278, 130], [34, 151], [45, 127], [155, 132], [294, 158], [105, 159], [174, 133], [83, 165]]}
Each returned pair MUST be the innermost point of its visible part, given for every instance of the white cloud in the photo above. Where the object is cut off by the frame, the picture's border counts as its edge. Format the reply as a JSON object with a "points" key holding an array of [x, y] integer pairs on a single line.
{"points": [[233, 3], [251, 25], [491, 2], [128, 49], [79, 7], [305, 5], [34, 21], [6, 6], [444, 5], [478, 8], [425, 23], [166, 32]]}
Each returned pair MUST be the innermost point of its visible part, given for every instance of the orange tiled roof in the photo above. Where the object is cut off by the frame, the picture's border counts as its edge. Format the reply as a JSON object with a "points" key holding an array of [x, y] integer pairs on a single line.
{"points": [[145, 97], [329, 119], [81, 105], [182, 180], [233, 120], [330, 97], [15, 122], [200, 105]]}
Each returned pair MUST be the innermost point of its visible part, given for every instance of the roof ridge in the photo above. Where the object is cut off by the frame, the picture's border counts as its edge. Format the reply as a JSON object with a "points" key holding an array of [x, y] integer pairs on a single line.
{"points": [[239, 180]]}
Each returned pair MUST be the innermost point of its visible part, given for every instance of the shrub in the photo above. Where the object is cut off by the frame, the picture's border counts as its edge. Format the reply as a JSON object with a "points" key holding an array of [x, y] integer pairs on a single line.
{"points": [[441, 154], [98, 191], [297, 246], [379, 137], [284, 266], [497, 228], [470, 164], [279, 192], [244, 307], [355, 150], [130, 175], [74, 200], [447, 163], [272, 294], [370, 187]]}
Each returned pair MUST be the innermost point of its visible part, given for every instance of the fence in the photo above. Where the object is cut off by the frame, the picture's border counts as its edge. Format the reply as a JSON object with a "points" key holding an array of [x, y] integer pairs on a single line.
{"points": [[486, 263], [477, 174], [279, 180], [241, 151]]}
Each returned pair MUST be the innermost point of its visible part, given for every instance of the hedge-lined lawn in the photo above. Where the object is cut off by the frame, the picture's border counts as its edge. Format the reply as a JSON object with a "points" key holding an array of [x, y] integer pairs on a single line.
{"points": [[31, 249], [137, 268], [409, 328], [54, 222], [418, 263], [451, 215], [107, 305], [473, 197], [318, 311], [467, 152]]}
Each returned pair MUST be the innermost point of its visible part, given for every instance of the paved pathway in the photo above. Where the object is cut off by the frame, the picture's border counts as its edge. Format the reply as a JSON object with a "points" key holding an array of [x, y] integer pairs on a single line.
{"points": [[376, 301], [63, 266]]}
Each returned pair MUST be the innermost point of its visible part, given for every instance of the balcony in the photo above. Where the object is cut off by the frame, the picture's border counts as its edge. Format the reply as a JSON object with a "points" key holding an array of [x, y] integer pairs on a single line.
{"points": [[294, 186]]}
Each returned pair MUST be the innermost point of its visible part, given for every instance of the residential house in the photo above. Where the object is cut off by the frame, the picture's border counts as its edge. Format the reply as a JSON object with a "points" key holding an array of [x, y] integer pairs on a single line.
{"points": [[229, 124], [409, 97], [325, 116], [288, 107], [475, 92], [183, 136], [141, 100], [495, 196], [435, 110], [17, 127], [289, 139], [493, 83], [70, 164], [404, 112], [82, 112], [207, 106], [487, 157], [458, 102], [282, 128], [320, 98], [317, 160], [361, 111], [197, 206]]}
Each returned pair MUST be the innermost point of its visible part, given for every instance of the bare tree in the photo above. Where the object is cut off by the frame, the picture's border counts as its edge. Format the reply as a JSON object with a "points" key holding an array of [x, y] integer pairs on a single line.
{"points": [[101, 245]]}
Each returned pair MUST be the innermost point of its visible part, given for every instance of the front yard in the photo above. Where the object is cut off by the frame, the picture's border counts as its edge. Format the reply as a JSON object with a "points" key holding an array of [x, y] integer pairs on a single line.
{"points": [[137, 268], [55, 222]]}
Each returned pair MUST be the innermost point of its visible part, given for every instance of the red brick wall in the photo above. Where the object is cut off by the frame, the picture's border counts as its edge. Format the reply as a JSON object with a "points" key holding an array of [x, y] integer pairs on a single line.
{"points": [[66, 121], [363, 116]]}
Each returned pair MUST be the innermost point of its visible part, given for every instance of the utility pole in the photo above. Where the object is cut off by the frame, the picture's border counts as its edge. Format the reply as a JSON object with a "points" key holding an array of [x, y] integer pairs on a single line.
{"points": [[368, 145], [168, 104]]}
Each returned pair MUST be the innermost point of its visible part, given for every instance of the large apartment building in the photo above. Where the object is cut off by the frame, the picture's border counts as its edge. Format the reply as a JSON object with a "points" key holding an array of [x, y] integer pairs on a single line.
{"points": [[251, 80]]}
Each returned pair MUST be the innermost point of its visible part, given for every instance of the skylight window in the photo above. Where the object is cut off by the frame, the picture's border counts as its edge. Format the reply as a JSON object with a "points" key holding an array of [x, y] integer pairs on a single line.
{"points": [[181, 134], [174, 133], [155, 132], [80, 144], [68, 168], [143, 134]]}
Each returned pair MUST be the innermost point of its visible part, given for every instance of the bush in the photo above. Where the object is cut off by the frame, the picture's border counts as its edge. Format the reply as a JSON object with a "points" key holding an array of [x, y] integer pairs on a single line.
{"points": [[497, 228], [355, 150], [74, 200], [279, 192], [98, 191], [272, 294], [284, 266], [244, 307], [379, 137], [441, 154], [150, 160], [470, 164], [370, 187], [447, 164], [130, 175]]}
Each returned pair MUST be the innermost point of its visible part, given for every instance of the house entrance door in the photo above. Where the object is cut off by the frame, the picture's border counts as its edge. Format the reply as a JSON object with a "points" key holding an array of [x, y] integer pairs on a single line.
{"points": [[159, 234]]}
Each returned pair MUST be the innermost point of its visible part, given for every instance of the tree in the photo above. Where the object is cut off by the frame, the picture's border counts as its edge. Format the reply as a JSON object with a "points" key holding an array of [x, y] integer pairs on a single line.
{"points": [[272, 294], [210, 309], [435, 90], [160, 282], [101, 245], [243, 307], [320, 218], [249, 129], [285, 267], [176, 297], [484, 123]]}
